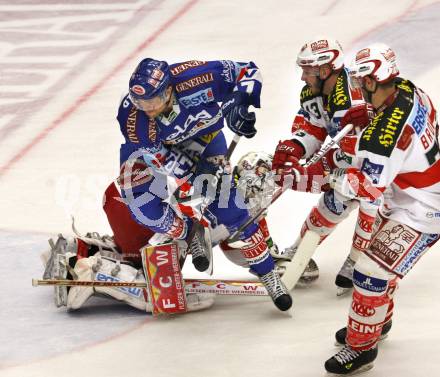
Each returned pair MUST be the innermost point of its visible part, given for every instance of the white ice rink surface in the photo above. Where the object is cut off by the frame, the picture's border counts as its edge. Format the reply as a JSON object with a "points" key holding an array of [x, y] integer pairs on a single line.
{"points": [[63, 68]]}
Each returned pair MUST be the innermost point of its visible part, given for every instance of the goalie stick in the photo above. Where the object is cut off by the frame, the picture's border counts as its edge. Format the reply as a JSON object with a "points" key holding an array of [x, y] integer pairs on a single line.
{"points": [[216, 286]]}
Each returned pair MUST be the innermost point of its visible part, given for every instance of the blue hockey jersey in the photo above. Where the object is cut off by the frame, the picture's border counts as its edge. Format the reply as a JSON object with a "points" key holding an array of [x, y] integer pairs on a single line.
{"points": [[199, 87]]}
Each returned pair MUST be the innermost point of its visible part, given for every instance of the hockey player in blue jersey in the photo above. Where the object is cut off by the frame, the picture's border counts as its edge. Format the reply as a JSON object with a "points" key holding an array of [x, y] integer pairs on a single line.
{"points": [[172, 120]]}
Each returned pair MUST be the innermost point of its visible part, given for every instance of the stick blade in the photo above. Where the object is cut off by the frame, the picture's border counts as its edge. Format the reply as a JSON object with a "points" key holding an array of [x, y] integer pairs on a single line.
{"points": [[296, 267]]}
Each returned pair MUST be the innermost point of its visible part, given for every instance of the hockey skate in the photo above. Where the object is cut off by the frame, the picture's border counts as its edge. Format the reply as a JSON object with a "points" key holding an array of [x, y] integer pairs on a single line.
{"points": [[349, 362], [201, 249], [344, 283], [57, 265], [342, 333], [276, 289], [282, 257]]}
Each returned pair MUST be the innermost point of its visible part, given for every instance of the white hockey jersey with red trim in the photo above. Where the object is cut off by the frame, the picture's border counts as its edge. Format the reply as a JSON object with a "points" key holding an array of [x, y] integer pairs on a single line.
{"points": [[399, 152], [320, 115]]}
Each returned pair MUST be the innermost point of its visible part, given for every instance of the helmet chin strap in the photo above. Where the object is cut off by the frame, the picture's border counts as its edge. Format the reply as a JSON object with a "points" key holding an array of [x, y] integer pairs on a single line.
{"points": [[370, 93], [321, 82]]}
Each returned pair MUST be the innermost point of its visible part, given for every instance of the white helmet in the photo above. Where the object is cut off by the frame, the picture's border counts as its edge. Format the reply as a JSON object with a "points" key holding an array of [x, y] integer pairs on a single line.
{"points": [[320, 51], [377, 60]]}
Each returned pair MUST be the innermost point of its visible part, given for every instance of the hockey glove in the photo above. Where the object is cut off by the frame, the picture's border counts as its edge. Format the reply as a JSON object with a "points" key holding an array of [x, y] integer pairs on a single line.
{"points": [[238, 118], [313, 178], [287, 151], [359, 116]]}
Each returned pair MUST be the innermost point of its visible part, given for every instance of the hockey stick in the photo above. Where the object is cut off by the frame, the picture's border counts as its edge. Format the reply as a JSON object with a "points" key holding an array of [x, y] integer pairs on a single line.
{"points": [[315, 158], [298, 264], [218, 287]]}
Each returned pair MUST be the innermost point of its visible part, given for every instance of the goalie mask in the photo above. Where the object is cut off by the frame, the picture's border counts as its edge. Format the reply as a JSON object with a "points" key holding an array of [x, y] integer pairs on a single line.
{"points": [[253, 172]]}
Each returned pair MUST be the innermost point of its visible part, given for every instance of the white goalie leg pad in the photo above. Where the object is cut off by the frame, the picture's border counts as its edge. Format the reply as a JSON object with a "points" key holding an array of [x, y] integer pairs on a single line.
{"points": [[199, 301], [103, 269]]}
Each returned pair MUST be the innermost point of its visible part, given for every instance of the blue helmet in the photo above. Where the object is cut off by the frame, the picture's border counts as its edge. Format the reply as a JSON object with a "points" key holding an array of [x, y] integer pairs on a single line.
{"points": [[150, 79]]}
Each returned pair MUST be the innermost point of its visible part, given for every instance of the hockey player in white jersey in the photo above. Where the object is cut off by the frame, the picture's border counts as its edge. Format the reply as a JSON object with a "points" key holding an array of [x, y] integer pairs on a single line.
{"points": [[327, 101], [397, 151]]}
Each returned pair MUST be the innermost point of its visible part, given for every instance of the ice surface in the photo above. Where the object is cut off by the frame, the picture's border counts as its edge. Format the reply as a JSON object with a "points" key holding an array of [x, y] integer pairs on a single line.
{"points": [[63, 68]]}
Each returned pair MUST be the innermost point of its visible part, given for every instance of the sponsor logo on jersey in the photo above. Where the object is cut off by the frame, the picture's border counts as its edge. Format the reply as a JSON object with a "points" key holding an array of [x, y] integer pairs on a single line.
{"points": [[388, 136], [364, 328], [131, 125], [152, 130], [382, 134], [205, 121], [372, 170], [369, 283], [416, 252], [194, 82], [306, 93], [197, 98], [138, 89], [406, 86], [340, 97], [419, 122], [177, 70], [362, 310], [392, 241], [360, 243], [319, 45], [367, 134], [228, 69]]}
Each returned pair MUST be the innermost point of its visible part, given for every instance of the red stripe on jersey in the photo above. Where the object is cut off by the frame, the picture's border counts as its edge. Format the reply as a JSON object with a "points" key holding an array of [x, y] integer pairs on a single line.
{"points": [[318, 132], [405, 138], [422, 179], [241, 74], [362, 185]]}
